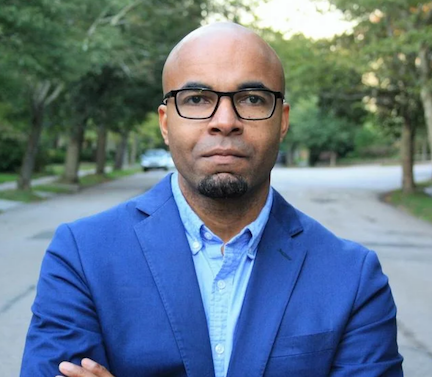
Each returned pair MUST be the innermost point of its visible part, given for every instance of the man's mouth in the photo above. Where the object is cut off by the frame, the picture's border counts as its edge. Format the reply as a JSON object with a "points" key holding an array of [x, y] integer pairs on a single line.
{"points": [[224, 153]]}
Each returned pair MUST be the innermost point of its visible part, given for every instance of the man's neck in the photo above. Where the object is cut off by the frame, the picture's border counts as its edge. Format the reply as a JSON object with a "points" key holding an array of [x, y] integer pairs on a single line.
{"points": [[227, 217]]}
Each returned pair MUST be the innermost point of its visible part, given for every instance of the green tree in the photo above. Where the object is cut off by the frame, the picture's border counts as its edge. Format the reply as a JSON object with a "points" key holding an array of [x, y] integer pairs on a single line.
{"points": [[396, 37], [320, 131], [324, 88], [42, 51]]}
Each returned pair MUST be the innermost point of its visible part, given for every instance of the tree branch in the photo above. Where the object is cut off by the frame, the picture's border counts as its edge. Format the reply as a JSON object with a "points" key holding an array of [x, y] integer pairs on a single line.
{"points": [[115, 19], [54, 94]]}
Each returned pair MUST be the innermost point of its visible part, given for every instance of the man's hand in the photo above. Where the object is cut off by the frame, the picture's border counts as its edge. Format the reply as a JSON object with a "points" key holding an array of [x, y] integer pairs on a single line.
{"points": [[88, 368]]}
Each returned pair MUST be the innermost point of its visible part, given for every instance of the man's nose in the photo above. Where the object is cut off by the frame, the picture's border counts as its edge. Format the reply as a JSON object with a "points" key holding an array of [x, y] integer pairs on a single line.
{"points": [[225, 119]]}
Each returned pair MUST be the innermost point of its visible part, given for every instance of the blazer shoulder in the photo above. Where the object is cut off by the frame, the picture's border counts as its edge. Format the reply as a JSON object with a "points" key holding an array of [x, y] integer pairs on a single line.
{"points": [[129, 212]]}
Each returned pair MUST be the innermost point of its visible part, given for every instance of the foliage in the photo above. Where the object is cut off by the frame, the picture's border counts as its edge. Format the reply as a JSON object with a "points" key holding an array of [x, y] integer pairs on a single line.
{"points": [[371, 141], [149, 133], [12, 149], [320, 131], [324, 88], [395, 38]]}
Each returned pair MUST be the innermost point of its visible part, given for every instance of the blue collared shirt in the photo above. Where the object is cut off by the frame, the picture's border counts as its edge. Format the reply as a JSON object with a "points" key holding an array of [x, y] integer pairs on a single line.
{"points": [[222, 279]]}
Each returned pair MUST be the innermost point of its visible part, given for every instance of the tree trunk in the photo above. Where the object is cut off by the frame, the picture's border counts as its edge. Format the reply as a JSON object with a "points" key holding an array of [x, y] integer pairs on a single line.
{"points": [[134, 150], [41, 98], [101, 149], [333, 159], [426, 91], [290, 156], [407, 152], [424, 150], [28, 163], [73, 151], [121, 149], [313, 157], [426, 96]]}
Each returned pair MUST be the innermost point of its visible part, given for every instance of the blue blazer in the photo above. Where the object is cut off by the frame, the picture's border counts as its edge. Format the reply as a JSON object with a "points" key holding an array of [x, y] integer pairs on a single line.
{"points": [[120, 287]]}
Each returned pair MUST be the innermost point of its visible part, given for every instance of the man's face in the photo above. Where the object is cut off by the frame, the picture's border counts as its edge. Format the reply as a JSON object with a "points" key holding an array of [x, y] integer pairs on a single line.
{"points": [[223, 156]]}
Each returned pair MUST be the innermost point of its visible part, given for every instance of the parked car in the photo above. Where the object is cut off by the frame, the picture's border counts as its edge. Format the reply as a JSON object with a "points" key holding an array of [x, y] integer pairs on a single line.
{"points": [[156, 159]]}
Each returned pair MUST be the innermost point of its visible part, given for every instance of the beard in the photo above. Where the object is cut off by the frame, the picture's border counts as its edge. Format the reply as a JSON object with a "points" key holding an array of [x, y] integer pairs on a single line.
{"points": [[227, 186]]}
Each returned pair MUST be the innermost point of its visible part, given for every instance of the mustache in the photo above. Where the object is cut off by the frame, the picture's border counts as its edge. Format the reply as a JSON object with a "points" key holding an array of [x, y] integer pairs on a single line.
{"points": [[224, 147]]}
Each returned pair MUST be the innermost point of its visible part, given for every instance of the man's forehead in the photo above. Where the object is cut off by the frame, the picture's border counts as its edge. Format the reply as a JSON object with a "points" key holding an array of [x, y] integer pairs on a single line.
{"points": [[221, 77], [228, 51], [225, 47]]}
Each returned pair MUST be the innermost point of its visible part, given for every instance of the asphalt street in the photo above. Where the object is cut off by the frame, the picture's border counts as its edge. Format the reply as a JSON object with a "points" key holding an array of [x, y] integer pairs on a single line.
{"points": [[343, 199]]}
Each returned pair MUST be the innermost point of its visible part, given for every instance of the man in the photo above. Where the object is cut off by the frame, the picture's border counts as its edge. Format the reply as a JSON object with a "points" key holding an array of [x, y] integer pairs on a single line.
{"points": [[212, 273]]}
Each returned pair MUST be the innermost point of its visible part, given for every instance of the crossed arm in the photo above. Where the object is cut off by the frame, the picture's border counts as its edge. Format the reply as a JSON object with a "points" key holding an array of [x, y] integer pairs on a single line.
{"points": [[88, 368]]}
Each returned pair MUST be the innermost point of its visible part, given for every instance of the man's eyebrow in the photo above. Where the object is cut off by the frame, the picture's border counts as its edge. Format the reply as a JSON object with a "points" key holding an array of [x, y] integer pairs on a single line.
{"points": [[195, 84], [252, 85]]}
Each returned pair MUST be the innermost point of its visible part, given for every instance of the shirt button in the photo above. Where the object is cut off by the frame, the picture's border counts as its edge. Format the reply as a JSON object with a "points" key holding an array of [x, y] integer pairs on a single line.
{"points": [[221, 284], [220, 349], [208, 236], [196, 245]]}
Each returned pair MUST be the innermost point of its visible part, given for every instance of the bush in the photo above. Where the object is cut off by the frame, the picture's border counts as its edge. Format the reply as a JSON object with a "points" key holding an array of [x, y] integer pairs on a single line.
{"points": [[371, 142], [87, 155], [56, 156], [11, 153]]}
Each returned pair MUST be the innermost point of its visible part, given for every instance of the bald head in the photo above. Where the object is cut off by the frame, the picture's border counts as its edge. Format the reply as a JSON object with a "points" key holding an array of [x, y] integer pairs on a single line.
{"points": [[228, 43]]}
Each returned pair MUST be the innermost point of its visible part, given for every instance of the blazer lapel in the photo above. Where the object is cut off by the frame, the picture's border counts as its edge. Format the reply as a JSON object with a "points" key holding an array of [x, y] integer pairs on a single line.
{"points": [[168, 255], [276, 269]]}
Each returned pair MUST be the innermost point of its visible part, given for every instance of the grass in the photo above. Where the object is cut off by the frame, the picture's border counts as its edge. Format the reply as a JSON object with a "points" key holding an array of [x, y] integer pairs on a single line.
{"points": [[418, 203], [8, 177], [20, 196], [58, 169], [55, 188], [94, 179], [115, 174], [52, 169]]}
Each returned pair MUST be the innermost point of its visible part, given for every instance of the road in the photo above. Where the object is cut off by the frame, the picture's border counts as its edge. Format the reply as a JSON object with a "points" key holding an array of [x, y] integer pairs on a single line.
{"points": [[343, 199]]}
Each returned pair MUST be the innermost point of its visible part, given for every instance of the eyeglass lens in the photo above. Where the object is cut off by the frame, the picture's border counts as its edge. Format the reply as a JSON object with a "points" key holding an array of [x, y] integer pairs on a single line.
{"points": [[250, 104]]}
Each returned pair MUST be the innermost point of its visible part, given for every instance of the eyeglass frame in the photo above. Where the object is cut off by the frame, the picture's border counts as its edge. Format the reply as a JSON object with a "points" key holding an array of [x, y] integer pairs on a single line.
{"points": [[173, 94]]}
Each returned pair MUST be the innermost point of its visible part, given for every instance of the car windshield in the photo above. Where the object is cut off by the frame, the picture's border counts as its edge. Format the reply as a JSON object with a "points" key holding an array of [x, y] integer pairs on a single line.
{"points": [[155, 152]]}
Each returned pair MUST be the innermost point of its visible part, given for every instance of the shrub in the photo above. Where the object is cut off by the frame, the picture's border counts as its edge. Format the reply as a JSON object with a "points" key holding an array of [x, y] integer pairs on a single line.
{"points": [[11, 153]]}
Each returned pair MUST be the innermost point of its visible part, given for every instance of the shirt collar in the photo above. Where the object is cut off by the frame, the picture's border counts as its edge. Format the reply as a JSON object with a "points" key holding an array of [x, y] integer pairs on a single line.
{"points": [[189, 218], [195, 227]]}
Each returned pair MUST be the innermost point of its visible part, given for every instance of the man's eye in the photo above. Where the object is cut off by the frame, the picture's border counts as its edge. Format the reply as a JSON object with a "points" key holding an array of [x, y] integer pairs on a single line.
{"points": [[252, 99], [195, 100]]}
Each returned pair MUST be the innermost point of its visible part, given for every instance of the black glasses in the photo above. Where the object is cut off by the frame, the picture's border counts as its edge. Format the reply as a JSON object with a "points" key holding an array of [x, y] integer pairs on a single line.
{"points": [[249, 104]]}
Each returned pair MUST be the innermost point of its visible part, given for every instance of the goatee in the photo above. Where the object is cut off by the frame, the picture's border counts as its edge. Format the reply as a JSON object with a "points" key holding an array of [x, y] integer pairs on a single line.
{"points": [[225, 186]]}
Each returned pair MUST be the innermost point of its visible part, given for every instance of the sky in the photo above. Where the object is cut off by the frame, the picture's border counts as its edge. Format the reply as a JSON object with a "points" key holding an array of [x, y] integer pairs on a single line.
{"points": [[294, 16]]}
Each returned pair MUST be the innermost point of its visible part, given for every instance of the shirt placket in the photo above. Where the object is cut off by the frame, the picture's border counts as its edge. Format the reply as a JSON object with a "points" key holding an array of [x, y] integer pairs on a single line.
{"points": [[220, 306]]}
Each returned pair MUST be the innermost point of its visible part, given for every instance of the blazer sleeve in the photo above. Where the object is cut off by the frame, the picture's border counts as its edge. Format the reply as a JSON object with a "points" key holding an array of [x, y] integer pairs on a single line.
{"points": [[369, 345], [64, 324]]}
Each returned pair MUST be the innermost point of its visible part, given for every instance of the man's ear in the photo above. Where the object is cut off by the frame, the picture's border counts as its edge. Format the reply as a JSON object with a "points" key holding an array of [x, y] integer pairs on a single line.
{"points": [[163, 123], [284, 121]]}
